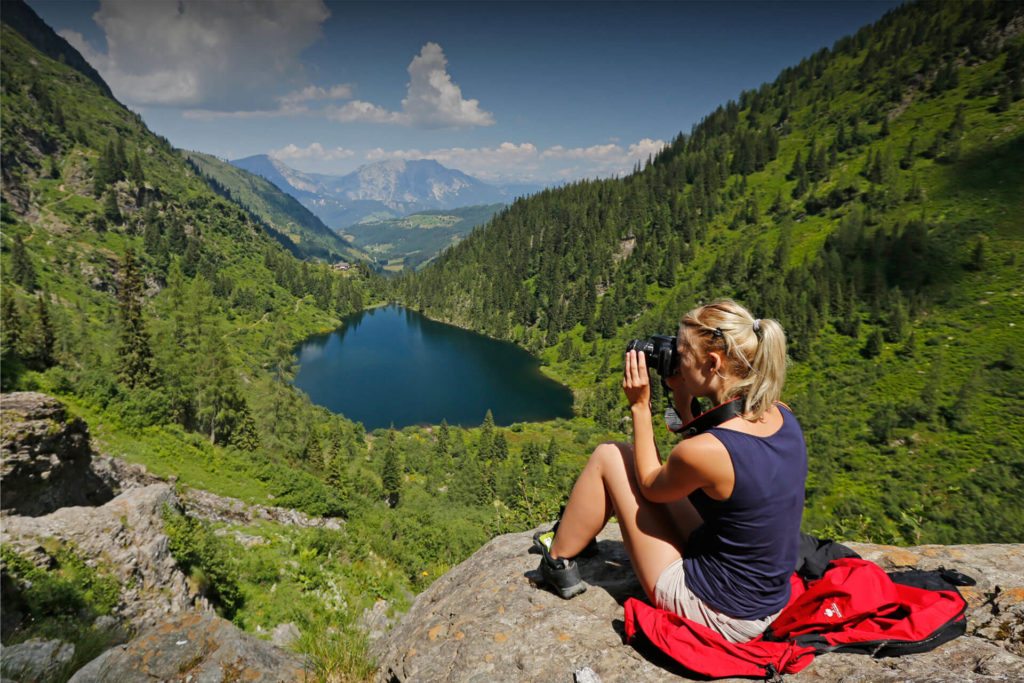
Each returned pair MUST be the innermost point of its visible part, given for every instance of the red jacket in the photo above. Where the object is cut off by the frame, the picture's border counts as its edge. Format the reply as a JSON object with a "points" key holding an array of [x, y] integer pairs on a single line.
{"points": [[854, 607]]}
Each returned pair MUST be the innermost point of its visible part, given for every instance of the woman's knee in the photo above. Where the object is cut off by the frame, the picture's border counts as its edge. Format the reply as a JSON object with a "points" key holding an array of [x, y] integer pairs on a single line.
{"points": [[613, 458]]}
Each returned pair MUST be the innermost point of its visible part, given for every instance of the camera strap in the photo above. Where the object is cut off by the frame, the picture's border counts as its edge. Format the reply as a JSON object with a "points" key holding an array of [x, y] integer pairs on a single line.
{"points": [[706, 420]]}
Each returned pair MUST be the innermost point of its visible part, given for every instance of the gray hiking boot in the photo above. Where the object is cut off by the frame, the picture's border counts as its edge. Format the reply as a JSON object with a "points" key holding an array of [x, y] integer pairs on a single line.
{"points": [[562, 576]]}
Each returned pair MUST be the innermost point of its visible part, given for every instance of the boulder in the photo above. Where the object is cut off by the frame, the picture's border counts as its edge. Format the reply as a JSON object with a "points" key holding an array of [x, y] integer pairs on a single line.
{"points": [[198, 647], [36, 660], [45, 458], [126, 537], [485, 620]]}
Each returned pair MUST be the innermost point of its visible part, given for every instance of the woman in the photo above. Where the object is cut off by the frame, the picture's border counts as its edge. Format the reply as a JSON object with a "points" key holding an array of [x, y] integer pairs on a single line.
{"points": [[713, 532]]}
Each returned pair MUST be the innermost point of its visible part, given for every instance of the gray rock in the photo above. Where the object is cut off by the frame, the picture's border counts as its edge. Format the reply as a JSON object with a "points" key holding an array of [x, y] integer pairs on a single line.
{"points": [[197, 648], [214, 508], [484, 620], [36, 660], [375, 621], [44, 457], [284, 635], [126, 537]]}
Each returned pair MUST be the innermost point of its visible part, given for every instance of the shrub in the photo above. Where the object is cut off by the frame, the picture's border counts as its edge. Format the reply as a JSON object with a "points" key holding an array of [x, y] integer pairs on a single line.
{"points": [[206, 558]]}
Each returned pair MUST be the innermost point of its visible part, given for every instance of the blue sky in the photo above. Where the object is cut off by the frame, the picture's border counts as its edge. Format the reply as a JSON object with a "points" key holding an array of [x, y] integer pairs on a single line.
{"points": [[506, 91]]}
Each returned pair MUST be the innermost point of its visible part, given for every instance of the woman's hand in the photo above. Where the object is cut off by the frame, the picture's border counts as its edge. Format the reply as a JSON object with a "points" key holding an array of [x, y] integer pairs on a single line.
{"points": [[636, 382]]}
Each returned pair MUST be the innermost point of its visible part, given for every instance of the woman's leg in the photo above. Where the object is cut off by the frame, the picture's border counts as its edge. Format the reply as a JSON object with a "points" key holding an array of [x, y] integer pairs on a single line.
{"points": [[608, 486]]}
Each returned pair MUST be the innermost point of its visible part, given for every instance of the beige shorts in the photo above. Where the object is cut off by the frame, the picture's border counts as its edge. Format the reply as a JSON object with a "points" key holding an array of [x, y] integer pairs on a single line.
{"points": [[671, 593]]}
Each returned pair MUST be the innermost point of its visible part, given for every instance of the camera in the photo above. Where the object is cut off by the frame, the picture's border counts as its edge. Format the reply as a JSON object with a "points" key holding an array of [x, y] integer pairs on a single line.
{"points": [[660, 351]]}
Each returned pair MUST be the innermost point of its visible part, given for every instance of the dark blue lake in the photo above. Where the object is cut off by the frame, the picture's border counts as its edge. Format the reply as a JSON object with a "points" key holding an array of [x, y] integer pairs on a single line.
{"points": [[393, 366]]}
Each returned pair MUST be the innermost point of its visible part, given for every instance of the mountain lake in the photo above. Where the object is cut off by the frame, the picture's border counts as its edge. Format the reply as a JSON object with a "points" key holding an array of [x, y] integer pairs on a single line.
{"points": [[392, 366]]}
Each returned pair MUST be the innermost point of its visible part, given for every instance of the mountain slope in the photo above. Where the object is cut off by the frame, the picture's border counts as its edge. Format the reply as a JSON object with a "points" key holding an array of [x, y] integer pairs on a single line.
{"points": [[870, 199], [413, 240], [129, 286], [306, 234], [19, 16]]}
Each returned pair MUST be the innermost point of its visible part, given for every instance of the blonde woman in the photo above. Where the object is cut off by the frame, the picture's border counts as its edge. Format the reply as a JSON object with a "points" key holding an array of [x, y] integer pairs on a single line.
{"points": [[713, 532]]}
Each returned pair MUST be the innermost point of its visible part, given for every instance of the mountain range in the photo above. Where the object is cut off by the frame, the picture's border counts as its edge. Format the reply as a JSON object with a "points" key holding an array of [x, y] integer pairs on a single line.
{"points": [[284, 218], [381, 190]]}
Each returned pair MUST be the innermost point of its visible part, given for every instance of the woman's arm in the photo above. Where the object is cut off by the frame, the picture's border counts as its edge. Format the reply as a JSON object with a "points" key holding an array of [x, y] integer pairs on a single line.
{"points": [[692, 464]]}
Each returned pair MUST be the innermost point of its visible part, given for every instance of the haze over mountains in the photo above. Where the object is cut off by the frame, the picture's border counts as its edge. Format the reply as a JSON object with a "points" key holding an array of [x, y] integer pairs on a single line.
{"points": [[382, 190]]}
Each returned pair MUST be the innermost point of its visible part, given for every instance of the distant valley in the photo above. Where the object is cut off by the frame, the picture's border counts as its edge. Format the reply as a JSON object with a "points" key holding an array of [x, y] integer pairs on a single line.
{"points": [[442, 205], [412, 241]]}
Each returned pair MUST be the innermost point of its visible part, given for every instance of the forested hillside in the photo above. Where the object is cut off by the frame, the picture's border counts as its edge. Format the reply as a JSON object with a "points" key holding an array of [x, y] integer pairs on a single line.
{"points": [[871, 199], [289, 222], [127, 280]]}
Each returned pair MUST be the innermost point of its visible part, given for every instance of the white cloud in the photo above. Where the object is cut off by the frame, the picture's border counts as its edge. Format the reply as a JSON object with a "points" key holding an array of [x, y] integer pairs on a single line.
{"points": [[506, 162], [607, 159], [363, 112], [432, 99], [313, 93], [645, 148], [593, 153], [229, 56], [315, 151]]}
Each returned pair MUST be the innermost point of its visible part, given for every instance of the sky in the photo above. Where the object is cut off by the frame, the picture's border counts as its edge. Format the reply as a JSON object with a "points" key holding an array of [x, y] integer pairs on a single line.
{"points": [[533, 92]]}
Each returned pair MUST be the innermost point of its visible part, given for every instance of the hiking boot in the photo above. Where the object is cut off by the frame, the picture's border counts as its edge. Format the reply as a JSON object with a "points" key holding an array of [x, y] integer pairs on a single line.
{"points": [[562, 576]]}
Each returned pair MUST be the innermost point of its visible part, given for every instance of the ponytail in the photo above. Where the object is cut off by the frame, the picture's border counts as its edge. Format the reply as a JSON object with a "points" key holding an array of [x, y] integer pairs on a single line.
{"points": [[768, 369], [755, 351]]}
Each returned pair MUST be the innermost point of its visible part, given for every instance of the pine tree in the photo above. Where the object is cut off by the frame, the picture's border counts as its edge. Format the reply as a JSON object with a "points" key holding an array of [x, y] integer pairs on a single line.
{"points": [[391, 473], [111, 211], [499, 451], [44, 332], [551, 454], [875, 344], [443, 444], [190, 261], [485, 446], [10, 325], [138, 178], [135, 355], [22, 271], [899, 321]]}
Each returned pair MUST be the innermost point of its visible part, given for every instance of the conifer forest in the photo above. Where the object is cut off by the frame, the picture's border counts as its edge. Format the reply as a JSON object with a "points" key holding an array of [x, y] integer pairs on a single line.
{"points": [[870, 198]]}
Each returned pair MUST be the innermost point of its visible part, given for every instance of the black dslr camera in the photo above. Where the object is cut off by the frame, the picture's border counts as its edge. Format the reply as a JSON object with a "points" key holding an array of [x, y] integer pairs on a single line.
{"points": [[661, 353]]}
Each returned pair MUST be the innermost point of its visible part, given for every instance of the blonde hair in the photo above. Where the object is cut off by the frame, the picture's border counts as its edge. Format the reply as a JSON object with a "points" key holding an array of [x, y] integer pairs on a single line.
{"points": [[755, 351]]}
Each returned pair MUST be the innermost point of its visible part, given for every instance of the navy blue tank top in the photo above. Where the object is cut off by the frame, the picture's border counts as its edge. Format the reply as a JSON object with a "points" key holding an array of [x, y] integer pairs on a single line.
{"points": [[740, 560]]}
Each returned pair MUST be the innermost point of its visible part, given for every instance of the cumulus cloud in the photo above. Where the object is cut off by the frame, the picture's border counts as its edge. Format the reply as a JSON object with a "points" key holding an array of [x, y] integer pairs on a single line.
{"points": [[432, 99], [363, 112], [312, 93], [228, 56], [315, 151]]}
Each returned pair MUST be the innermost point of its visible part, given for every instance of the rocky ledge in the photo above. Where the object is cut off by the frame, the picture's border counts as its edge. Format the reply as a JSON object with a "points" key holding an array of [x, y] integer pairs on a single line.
{"points": [[45, 459], [56, 493], [486, 621]]}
